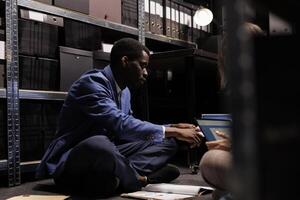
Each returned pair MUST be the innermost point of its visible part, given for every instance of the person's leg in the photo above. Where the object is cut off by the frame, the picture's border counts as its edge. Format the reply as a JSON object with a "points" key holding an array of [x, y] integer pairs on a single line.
{"points": [[214, 167], [147, 157], [93, 166]]}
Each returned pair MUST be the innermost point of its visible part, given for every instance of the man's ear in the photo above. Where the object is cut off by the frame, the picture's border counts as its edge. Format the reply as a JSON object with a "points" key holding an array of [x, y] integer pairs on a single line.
{"points": [[124, 60]]}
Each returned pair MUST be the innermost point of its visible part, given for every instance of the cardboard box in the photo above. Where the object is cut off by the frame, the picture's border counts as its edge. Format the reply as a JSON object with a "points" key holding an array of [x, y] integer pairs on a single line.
{"points": [[103, 9]]}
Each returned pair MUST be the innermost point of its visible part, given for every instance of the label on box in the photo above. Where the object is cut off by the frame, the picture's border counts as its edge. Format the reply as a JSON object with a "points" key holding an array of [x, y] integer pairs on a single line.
{"points": [[2, 50], [36, 16]]}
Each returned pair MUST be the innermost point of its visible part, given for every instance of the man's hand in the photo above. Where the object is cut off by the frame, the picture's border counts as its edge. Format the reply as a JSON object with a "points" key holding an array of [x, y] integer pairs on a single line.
{"points": [[185, 132], [223, 144], [183, 125]]}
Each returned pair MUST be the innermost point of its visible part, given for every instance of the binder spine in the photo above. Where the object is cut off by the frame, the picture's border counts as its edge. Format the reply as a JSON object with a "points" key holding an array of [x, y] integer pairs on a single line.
{"points": [[130, 13]]}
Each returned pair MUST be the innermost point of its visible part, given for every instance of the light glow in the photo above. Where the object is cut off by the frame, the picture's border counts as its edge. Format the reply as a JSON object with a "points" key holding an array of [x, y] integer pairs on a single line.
{"points": [[203, 16]]}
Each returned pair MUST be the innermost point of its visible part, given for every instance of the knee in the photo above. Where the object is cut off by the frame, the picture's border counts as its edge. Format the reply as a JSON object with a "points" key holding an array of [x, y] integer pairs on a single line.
{"points": [[98, 148], [99, 143], [215, 166]]}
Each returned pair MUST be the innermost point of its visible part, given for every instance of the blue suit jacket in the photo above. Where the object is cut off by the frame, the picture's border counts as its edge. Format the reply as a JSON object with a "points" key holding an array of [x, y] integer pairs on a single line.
{"points": [[90, 109]]}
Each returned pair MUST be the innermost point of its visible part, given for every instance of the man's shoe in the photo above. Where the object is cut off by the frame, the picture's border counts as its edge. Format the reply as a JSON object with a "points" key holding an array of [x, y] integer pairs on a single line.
{"points": [[165, 174]]}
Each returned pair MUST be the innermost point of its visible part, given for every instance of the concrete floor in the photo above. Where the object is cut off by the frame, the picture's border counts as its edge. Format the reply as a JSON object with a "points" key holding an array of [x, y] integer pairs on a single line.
{"points": [[45, 189]]}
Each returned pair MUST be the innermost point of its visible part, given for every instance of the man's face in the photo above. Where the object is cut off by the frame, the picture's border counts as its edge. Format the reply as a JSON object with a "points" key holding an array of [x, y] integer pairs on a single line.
{"points": [[136, 71]]}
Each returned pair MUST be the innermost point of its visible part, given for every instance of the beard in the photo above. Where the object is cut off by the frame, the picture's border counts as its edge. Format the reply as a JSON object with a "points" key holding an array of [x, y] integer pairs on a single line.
{"points": [[137, 85]]}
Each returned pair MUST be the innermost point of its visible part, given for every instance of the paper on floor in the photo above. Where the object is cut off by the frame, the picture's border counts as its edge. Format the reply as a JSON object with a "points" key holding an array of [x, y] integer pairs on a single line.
{"points": [[39, 197]]}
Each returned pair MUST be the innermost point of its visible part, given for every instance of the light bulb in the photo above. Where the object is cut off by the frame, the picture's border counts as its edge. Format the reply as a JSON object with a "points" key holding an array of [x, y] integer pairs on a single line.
{"points": [[203, 17]]}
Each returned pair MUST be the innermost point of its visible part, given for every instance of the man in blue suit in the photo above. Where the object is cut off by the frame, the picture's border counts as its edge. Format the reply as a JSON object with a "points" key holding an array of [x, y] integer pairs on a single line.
{"points": [[100, 147]]}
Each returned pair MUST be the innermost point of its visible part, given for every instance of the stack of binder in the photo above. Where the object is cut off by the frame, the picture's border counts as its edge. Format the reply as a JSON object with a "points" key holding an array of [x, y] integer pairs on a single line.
{"points": [[81, 35], [168, 26], [38, 50], [187, 24], [164, 17], [38, 73], [154, 16], [31, 137], [174, 20], [130, 12], [38, 39], [178, 21], [159, 17], [38, 126]]}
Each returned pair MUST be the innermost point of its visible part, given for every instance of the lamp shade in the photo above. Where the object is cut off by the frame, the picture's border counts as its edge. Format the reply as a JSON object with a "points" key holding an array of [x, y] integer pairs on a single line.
{"points": [[203, 16]]}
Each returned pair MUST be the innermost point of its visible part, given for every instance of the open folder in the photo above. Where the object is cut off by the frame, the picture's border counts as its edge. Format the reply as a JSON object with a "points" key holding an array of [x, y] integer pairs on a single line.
{"points": [[167, 191], [211, 123]]}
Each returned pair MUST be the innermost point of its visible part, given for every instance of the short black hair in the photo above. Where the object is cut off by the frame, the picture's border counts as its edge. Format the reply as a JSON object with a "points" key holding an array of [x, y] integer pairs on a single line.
{"points": [[129, 47]]}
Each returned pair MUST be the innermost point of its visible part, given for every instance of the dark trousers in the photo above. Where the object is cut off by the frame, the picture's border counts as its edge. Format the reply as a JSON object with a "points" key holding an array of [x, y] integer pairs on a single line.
{"points": [[93, 164]]}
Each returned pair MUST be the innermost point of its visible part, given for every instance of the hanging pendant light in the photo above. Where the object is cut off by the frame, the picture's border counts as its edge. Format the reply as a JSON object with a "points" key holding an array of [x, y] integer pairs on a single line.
{"points": [[203, 16]]}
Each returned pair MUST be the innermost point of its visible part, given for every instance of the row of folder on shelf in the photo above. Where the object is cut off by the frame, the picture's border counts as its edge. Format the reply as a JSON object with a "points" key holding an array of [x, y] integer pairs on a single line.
{"points": [[163, 17], [174, 20]]}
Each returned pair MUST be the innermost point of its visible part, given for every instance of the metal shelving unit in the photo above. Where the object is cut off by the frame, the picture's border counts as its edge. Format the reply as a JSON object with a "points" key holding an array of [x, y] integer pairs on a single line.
{"points": [[42, 95], [34, 5], [13, 94], [37, 94], [162, 38], [25, 166]]}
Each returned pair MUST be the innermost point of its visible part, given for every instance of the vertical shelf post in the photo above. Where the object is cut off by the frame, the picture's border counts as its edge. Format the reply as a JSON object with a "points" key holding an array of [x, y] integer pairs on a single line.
{"points": [[141, 21], [141, 35], [12, 93]]}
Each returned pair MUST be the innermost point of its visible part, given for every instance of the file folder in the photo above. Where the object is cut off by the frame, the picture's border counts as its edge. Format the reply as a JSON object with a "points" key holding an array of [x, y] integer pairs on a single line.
{"points": [[130, 12], [147, 15], [159, 17], [168, 18], [188, 23], [152, 16], [181, 22]]}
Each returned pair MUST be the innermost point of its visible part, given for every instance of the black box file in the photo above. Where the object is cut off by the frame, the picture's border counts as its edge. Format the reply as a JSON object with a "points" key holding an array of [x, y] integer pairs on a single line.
{"points": [[38, 73], [31, 132], [38, 127], [73, 63], [84, 36], [38, 39]]}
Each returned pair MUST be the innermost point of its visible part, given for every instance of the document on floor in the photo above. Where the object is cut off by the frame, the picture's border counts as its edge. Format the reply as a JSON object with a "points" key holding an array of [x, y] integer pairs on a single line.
{"points": [[166, 191], [39, 197]]}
